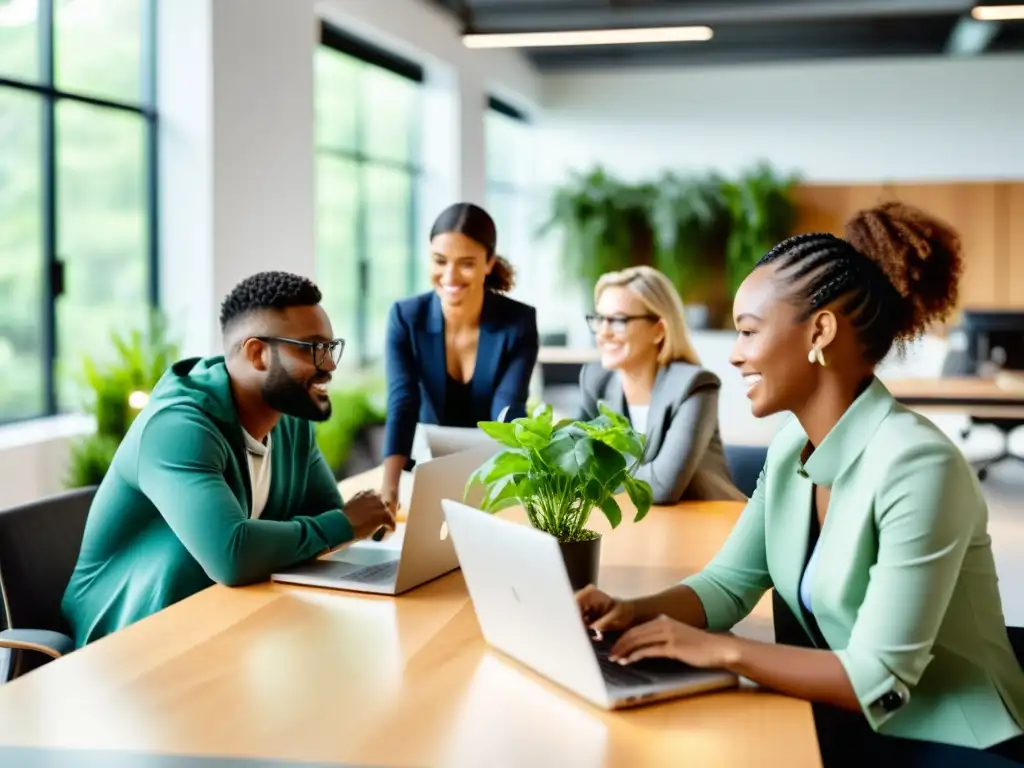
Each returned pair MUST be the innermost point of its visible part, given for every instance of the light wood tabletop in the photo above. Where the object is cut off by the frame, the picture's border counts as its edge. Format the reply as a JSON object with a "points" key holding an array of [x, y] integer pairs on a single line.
{"points": [[292, 673], [568, 355]]}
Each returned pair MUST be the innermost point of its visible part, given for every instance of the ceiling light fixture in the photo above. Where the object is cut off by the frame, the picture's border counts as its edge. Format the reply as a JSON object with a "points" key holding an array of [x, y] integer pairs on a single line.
{"points": [[998, 12], [589, 37]]}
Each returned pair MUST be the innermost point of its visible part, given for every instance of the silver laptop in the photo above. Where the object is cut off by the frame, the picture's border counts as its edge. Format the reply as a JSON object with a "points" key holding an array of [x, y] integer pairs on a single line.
{"points": [[432, 441], [419, 551], [526, 609]]}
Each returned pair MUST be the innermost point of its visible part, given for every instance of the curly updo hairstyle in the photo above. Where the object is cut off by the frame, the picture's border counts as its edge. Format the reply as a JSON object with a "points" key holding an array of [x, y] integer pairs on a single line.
{"points": [[896, 271], [476, 224]]}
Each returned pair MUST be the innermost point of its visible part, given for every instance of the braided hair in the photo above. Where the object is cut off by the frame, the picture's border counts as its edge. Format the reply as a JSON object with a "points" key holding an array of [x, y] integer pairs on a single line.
{"points": [[896, 271]]}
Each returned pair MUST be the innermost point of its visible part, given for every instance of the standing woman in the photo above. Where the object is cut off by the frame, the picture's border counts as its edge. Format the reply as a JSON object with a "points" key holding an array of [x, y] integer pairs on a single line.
{"points": [[650, 373], [463, 352]]}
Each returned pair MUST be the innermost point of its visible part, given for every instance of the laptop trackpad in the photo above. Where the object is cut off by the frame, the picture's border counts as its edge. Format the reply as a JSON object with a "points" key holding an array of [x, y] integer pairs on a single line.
{"points": [[361, 557]]}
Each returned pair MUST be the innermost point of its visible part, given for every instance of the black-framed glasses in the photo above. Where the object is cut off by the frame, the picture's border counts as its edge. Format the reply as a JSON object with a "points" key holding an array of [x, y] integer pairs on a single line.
{"points": [[318, 349], [617, 323]]}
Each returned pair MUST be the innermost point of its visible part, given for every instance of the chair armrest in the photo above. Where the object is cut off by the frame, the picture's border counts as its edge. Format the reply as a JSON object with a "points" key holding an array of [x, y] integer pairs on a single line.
{"points": [[52, 644]]}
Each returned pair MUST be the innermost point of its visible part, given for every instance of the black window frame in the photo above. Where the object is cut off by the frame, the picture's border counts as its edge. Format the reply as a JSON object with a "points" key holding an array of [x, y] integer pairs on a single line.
{"points": [[146, 107], [495, 104], [342, 41]]}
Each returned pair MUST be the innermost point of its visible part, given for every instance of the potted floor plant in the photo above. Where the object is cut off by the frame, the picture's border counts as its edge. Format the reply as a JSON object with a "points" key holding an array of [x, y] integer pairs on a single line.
{"points": [[560, 473]]}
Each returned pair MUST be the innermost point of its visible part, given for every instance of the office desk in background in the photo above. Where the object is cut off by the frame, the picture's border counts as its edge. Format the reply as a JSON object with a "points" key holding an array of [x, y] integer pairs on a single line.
{"points": [[292, 673], [1000, 397]]}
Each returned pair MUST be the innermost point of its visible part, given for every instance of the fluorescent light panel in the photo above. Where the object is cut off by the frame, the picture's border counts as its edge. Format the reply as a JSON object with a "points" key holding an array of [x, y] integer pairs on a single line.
{"points": [[589, 37], [998, 12]]}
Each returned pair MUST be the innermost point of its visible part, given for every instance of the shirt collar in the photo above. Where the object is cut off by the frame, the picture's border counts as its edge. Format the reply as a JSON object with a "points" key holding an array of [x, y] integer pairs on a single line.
{"points": [[849, 437], [254, 446]]}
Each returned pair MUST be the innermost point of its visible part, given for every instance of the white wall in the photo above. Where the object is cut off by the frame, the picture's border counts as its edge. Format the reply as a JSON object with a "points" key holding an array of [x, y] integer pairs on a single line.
{"points": [[902, 119], [847, 121], [236, 107]]}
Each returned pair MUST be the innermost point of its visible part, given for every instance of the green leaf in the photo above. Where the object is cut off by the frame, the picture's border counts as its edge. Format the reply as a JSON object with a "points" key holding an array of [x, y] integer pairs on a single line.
{"points": [[559, 455], [562, 424], [500, 431], [531, 435], [507, 463], [627, 443], [611, 510], [603, 462], [639, 492], [504, 489]]}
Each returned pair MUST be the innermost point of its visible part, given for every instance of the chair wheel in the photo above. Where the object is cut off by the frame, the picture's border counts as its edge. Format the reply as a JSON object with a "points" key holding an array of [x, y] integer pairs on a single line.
{"points": [[982, 474]]}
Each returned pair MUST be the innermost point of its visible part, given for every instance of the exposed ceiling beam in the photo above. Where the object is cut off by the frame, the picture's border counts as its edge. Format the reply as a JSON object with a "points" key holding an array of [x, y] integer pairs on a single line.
{"points": [[527, 15], [971, 37]]}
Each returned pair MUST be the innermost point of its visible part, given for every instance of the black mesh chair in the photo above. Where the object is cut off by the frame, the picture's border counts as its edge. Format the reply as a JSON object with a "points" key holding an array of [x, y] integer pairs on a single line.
{"points": [[745, 464], [39, 545]]}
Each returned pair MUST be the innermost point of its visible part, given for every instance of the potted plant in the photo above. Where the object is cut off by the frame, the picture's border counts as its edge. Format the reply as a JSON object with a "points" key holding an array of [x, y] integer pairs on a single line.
{"points": [[118, 388], [559, 473]]}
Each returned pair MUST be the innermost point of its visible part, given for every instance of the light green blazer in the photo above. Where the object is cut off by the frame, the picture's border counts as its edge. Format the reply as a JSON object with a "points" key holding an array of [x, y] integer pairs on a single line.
{"points": [[905, 588]]}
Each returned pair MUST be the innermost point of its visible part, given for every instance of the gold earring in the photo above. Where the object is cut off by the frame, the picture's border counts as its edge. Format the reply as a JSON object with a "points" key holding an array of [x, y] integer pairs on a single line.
{"points": [[816, 356]]}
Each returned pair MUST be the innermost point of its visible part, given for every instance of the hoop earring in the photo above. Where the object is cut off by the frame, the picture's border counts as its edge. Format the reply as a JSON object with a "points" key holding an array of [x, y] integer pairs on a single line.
{"points": [[816, 356]]}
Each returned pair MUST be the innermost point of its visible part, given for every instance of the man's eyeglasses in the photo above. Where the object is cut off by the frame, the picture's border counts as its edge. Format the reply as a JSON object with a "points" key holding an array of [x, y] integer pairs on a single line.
{"points": [[617, 323], [318, 349]]}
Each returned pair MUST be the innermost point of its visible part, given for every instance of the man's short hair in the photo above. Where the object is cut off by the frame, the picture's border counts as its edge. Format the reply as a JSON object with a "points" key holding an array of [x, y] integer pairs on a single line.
{"points": [[267, 290]]}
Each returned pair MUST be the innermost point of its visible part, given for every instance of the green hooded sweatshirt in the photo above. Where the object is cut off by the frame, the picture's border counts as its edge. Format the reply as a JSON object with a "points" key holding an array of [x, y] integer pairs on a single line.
{"points": [[171, 517]]}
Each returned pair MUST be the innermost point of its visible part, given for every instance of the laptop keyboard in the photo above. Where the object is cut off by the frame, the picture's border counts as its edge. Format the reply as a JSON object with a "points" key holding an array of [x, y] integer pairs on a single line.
{"points": [[643, 672], [374, 574]]}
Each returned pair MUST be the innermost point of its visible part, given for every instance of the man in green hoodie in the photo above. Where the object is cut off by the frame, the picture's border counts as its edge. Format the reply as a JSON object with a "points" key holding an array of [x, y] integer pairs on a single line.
{"points": [[220, 479]]}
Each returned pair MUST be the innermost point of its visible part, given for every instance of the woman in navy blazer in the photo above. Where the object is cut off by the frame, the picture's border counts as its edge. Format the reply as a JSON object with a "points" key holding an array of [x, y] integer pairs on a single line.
{"points": [[461, 353]]}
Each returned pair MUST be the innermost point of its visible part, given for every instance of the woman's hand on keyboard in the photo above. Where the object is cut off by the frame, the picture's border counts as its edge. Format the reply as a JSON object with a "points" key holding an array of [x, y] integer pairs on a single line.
{"points": [[604, 613], [670, 639]]}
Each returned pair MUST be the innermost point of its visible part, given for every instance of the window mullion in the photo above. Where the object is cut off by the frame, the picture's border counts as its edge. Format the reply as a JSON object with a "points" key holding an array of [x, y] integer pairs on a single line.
{"points": [[53, 267]]}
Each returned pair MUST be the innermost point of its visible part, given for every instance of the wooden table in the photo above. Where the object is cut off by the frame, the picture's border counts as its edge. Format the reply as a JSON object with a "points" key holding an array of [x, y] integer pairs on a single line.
{"points": [[997, 398], [291, 673], [568, 355]]}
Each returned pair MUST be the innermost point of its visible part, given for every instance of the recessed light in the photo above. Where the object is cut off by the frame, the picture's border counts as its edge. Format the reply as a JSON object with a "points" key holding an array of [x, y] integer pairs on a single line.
{"points": [[589, 37], [998, 12]]}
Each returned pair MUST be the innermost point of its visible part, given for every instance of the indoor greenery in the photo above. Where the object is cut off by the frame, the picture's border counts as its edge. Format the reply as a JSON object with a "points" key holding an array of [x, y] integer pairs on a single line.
{"points": [[605, 223], [354, 407], [560, 472], [676, 223], [118, 389], [761, 213]]}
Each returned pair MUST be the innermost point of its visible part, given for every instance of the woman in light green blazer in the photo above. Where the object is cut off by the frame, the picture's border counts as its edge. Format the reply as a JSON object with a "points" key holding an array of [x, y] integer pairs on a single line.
{"points": [[899, 592]]}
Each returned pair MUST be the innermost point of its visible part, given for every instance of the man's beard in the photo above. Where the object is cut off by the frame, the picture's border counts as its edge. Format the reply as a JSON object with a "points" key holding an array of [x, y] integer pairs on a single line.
{"points": [[286, 395]]}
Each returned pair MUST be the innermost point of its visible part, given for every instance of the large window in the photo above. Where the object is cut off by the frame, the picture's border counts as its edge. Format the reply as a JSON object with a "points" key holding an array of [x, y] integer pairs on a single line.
{"points": [[510, 200], [367, 172], [77, 192]]}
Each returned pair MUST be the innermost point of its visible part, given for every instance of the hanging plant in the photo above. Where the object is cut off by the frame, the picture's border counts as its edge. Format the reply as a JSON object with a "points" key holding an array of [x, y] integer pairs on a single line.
{"points": [[762, 212], [605, 225]]}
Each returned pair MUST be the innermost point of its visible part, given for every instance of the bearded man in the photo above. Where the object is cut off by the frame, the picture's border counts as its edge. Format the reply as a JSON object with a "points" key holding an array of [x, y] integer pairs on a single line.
{"points": [[219, 479]]}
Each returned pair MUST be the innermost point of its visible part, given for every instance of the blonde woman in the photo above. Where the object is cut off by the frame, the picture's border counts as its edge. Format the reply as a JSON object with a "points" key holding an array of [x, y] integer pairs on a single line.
{"points": [[650, 373]]}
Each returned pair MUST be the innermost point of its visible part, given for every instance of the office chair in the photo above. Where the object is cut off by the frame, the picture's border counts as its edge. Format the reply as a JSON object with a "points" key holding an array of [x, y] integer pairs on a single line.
{"points": [[959, 363], [745, 463], [39, 545]]}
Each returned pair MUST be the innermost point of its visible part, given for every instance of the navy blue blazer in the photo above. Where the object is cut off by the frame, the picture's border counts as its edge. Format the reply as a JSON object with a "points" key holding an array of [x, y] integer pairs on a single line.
{"points": [[416, 367]]}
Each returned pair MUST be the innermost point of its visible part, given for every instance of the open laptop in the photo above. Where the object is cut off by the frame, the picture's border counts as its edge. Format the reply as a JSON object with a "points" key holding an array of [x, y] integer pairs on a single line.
{"points": [[526, 609], [423, 550], [432, 441]]}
